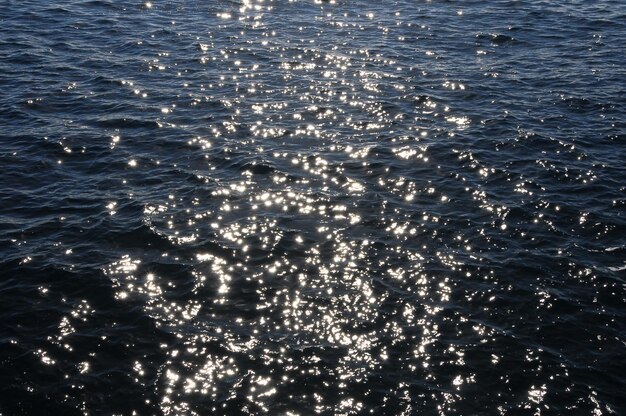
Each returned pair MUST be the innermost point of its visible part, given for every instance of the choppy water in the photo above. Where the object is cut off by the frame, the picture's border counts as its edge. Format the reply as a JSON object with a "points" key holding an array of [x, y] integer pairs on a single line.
{"points": [[301, 207]]}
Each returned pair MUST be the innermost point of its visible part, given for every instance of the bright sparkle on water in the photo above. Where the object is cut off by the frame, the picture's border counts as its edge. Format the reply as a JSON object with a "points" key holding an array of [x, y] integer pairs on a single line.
{"points": [[321, 207]]}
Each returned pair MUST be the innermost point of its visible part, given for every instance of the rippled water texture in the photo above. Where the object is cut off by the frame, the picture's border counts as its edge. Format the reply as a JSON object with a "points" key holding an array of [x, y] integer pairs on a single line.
{"points": [[312, 207]]}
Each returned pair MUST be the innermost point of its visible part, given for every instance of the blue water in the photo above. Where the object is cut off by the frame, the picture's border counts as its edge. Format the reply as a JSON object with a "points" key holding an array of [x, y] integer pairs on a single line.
{"points": [[312, 207]]}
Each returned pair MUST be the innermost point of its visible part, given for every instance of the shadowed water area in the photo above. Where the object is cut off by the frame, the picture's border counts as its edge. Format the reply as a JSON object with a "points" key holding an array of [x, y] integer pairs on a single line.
{"points": [[312, 207]]}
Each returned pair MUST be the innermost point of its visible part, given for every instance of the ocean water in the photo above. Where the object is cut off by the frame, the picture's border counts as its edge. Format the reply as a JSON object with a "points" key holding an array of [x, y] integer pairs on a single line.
{"points": [[294, 207]]}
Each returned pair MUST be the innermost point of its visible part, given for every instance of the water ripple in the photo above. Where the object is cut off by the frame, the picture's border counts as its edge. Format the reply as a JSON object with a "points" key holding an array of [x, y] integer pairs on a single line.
{"points": [[296, 207]]}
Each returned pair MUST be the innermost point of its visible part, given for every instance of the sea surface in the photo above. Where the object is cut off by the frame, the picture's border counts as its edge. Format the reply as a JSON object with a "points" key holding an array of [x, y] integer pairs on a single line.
{"points": [[299, 207]]}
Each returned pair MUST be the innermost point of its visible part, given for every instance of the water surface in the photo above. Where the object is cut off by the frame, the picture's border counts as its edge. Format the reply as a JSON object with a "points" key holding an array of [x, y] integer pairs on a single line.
{"points": [[304, 207]]}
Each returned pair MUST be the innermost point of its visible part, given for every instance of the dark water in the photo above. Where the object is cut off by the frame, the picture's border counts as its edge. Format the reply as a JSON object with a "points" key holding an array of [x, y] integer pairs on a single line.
{"points": [[300, 207]]}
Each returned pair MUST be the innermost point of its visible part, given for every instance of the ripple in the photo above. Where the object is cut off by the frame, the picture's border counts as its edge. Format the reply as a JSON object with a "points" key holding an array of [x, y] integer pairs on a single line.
{"points": [[311, 206]]}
